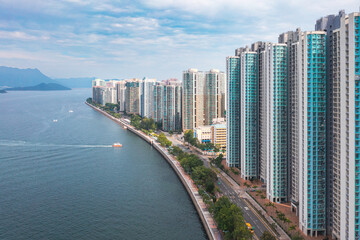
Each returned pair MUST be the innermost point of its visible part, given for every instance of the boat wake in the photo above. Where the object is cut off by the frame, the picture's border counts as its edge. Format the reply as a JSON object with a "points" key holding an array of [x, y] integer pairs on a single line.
{"points": [[10, 143]]}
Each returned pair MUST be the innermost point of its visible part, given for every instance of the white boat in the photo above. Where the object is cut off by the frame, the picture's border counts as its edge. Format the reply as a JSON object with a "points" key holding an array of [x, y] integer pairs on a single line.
{"points": [[71, 111], [55, 120], [117, 145]]}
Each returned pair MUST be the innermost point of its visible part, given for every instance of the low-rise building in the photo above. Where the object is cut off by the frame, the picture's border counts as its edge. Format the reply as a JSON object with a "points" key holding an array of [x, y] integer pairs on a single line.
{"points": [[203, 134], [218, 135]]}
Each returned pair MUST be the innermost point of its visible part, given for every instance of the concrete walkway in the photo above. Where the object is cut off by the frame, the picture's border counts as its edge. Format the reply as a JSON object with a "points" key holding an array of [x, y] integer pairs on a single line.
{"points": [[244, 195]]}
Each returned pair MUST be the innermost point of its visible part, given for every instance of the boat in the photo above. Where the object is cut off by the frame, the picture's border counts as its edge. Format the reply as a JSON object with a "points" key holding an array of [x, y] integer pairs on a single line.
{"points": [[55, 120], [125, 127], [117, 145], [71, 111]]}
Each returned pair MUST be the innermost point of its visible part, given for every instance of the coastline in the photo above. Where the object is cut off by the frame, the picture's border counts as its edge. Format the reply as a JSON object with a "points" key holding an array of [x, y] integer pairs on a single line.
{"points": [[205, 216]]}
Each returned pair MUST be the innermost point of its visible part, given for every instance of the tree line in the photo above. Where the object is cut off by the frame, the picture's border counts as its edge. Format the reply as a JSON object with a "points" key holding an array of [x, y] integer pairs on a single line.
{"points": [[228, 216]]}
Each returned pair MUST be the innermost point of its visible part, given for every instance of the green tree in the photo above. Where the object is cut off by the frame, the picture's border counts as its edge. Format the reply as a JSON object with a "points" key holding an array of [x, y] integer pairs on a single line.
{"points": [[135, 121], [205, 177], [217, 161], [148, 124], [176, 151], [162, 139], [190, 161], [267, 236], [230, 220]]}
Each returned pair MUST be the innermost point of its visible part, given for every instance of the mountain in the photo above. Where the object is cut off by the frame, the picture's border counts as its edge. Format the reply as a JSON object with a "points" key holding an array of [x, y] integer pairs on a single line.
{"points": [[84, 82], [15, 77], [40, 87], [2, 91]]}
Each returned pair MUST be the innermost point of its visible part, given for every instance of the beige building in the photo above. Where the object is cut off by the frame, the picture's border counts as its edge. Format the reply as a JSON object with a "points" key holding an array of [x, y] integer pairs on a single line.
{"points": [[120, 89], [214, 95], [132, 97], [203, 134], [215, 134], [193, 99], [218, 135]]}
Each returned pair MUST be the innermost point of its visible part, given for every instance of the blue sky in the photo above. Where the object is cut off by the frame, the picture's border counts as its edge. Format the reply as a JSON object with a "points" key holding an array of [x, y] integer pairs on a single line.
{"points": [[153, 38]]}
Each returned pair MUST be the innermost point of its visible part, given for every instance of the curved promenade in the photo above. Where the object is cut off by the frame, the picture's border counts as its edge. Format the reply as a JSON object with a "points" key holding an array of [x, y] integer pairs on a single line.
{"points": [[205, 216]]}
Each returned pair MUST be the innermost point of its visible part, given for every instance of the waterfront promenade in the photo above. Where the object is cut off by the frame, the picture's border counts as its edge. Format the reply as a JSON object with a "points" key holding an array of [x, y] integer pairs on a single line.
{"points": [[205, 216], [252, 211]]}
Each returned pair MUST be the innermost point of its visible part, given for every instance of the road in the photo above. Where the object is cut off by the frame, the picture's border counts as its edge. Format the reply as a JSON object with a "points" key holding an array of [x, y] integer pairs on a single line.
{"points": [[234, 193]]}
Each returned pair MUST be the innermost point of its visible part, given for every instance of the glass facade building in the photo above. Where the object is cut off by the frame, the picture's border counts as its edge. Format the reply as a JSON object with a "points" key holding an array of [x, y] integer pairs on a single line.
{"points": [[233, 111], [275, 101], [249, 103]]}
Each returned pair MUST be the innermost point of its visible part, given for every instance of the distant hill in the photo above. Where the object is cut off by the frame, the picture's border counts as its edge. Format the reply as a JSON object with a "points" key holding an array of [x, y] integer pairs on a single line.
{"points": [[40, 87], [15, 77], [2, 91], [84, 82]]}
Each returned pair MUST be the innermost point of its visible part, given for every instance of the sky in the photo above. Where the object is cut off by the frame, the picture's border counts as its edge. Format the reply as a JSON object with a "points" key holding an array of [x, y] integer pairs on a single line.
{"points": [[145, 38]]}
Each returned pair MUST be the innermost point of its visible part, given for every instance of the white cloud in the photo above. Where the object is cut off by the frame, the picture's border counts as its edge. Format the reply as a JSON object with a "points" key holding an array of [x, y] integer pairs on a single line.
{"points": [[18, 35], [136, 23], [212, 7], [156, 37]]}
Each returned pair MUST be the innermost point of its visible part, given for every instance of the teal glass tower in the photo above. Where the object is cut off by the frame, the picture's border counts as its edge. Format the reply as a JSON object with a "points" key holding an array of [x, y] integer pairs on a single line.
{"points": [[275, 101], [233, 111], [312, 135], [249, 106]]}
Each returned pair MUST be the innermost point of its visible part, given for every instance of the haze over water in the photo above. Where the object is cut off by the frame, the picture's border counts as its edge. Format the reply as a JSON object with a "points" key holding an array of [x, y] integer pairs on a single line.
{"points": [[63, 180]]}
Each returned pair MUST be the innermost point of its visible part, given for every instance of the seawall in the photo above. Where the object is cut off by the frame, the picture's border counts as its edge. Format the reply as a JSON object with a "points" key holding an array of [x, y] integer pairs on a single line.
{"points": [[205, 216]]}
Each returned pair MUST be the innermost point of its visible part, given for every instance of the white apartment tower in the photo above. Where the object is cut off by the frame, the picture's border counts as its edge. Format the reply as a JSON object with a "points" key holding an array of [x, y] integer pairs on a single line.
{"points": [[192, 99], [274, 138], [214, 95], [146, 101]]}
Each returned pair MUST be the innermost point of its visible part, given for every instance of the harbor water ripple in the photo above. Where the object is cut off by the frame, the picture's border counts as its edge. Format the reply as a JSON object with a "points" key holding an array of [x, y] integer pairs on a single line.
{"points": [[63, 179]]}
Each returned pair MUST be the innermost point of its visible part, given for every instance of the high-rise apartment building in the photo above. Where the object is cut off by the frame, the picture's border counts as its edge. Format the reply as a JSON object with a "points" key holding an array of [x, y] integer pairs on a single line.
{"points": [[120, 89], [233, 111], [157, 102], [146, 91], [132, 97], [307, 118], [192, 99], [344, 77], [242, 111], [98, 94], [328, 24], [263, 113], [274, 138], [171, 117], [291, 39], [110, 95], [214, 95], [311, 76], [249, 106], [104, 92]]}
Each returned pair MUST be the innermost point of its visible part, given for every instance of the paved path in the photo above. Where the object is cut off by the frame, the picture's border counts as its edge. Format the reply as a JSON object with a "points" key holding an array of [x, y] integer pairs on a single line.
{"points": [[239, 196]]}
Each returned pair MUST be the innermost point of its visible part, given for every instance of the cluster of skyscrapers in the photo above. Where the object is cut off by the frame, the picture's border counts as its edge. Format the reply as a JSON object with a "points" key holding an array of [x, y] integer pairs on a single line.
{"points": [[195, 102], [149, 98], [293, 121]]}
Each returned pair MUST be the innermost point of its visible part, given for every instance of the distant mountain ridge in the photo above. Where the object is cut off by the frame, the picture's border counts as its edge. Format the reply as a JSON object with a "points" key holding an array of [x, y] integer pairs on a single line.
{"points": [[40, 87], [15, 77]]}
